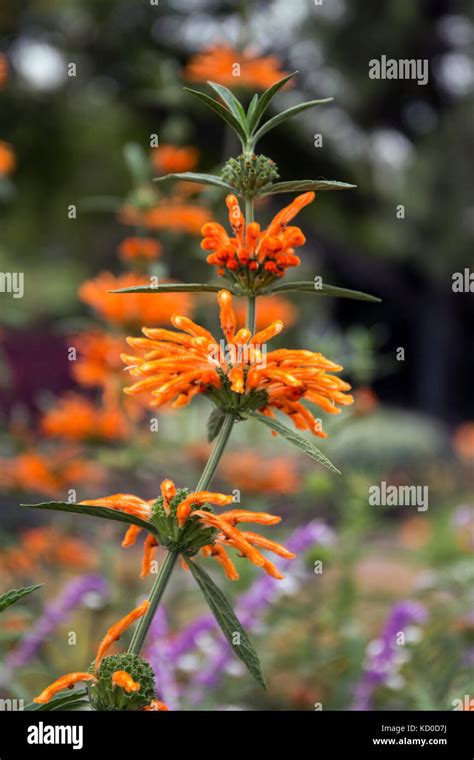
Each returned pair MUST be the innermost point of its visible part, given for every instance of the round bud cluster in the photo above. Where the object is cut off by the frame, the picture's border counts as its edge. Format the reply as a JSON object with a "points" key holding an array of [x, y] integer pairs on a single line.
{"points": [[107, 696], [250, 175]]}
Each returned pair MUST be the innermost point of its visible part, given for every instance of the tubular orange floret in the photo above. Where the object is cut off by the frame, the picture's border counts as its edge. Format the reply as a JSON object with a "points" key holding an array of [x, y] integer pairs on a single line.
{"points": [[168, 492], [65, 682], [130, 536], [156, 706], [227, 315], [148, 553], [221, 556], [123, 502], [200, 497], [125, 681], [116, 630], [266, 543], [235, 516]]}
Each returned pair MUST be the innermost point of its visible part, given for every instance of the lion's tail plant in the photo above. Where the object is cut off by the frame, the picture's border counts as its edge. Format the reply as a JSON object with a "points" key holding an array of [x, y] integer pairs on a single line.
{"points": [[243, 383]]}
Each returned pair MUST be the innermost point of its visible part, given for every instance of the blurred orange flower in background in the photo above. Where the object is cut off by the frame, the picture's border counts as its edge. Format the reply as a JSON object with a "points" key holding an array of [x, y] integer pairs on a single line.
{"points": [[250, 472], [463, 441], [7, 159], [172, 214], [225, 65], [75, 418], [170, 159], [132, 309], [98, 357], [134, 248], [50, 474], [3, 70]]}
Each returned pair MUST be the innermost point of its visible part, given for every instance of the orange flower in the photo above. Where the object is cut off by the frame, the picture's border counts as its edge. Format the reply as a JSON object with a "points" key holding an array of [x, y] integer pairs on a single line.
{"points": [[119, 678], [270, 309], [133, 308], [366, 400], [247, 470], [141, 248], [225, 65], [98, 357], [3, 70], [172, 214], [50, 475], [76, 418], [463, 441], [176, 366], [181, 510], [265, 254], [170, 159], [7, 159]]}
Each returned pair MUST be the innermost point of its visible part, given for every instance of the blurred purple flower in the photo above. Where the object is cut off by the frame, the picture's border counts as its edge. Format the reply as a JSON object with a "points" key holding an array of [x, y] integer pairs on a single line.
{"points": [[252, 606], [55, 614], [383, 654], [158, 654]]}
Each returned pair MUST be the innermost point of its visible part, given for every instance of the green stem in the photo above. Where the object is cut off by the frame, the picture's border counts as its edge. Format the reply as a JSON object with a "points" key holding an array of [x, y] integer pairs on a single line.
{"points": [[166, 569], [154, 599], [216, 453], [251, 314]]}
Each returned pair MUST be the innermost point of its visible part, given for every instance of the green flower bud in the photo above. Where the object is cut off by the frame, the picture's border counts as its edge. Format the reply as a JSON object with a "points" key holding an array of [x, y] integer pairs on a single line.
{"points": [[250, 175]]}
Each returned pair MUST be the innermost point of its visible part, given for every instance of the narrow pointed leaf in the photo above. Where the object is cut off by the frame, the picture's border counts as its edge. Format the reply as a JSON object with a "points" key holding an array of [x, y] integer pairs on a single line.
{"points": [[15, 594], [280, 117], [67, 702], [324, 290], [251, 111], [214, 423], [93, 511], [172, 287], [234, 105], [296, 439], [304, 185], [223, 112], [228, 622], [204, 179], [264, 101]]}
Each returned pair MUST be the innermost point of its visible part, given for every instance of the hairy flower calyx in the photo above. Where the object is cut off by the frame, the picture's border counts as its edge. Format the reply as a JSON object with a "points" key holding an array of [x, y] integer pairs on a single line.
{"points": [[250, 174], [188, 538]]}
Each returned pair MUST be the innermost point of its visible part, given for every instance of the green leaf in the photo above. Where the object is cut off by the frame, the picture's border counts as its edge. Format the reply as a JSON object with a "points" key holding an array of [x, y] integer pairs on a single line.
{"points": [[137, 162], [93, 511], [66, 702], [205, 179], [172, 287], [264, 101], [15, 594], [296, 439], [223, 112], [280, 117], [232, 103], [251, 111], [228, 622], [214, 423], [304, 185], [324, 290]]}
